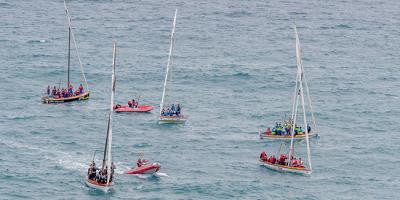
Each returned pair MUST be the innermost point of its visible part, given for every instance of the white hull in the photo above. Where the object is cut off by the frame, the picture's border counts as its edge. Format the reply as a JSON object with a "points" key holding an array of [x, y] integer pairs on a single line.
{"points": [[171, 120], [99, 187], [282, 168]]}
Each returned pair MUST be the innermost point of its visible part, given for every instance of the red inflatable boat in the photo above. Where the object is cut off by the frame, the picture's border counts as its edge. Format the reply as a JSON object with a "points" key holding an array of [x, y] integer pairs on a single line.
{"points": [[124, 108], [144, 169]]}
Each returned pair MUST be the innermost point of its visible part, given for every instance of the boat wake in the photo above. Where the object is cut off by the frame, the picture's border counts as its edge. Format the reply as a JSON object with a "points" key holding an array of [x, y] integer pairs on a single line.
{"points": [[147, 176], [63, 159], [159, 174]]}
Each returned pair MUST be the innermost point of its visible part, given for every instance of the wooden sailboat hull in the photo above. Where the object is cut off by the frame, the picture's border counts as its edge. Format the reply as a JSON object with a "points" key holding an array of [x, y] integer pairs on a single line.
{"points": [[285, 168], [286, 137], [83, 96], [172, 119], [99, 186]]}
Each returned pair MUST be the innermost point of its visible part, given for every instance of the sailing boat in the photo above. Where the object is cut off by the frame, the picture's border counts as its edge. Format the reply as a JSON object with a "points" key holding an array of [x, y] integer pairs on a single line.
{"points": [[57, 96], [102, 179], [289, 130], [170, 113], [294, 165]]}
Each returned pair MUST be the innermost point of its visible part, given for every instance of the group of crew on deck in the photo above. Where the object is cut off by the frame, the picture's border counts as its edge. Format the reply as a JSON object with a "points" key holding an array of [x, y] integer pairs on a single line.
{"points": [[282, 160], [286, 129], [99, 175], [63, 92], [171, 111], [133, 103]]}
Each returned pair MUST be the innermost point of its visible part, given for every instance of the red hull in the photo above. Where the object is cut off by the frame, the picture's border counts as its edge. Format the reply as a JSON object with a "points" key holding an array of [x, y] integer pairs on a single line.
{"points": [[145, 169], [144, 108]]}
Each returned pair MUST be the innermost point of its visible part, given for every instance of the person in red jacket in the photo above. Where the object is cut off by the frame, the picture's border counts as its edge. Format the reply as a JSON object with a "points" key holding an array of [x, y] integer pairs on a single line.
{"points": [[268, 131], [273, 160], [263, 156], [130, 104], [282, 159]]}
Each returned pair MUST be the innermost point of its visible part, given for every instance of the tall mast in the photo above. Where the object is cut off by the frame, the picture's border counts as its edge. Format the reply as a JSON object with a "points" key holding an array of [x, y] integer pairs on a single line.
{"points": [[169, 61], [300, 66], [107, 148], [69, 53], [298, 91]]}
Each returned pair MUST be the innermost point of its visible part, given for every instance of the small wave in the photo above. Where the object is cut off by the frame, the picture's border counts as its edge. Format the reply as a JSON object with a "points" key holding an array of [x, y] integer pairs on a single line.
{"points": [[238, 13], [345, 26], [36, 41], [242, 75]]}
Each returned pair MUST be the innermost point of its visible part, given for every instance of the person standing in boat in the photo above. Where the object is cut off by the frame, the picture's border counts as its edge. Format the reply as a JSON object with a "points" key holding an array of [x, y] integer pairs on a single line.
{"points": [[54, 91], [263, 156], [139, 163], [92, 171], [70, 89], [173, 109], [48, 90], [80, 89], [133, 103], [130, 104], [178, 110]]}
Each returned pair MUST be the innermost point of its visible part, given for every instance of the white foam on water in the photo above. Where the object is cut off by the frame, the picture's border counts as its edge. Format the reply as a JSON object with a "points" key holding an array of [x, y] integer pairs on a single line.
{"points": [[159, 174]]}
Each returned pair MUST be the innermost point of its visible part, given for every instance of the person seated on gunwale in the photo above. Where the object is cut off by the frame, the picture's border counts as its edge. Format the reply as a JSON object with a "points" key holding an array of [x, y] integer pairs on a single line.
{"points": [[272, 159], [282, 159], [48, 90], [300, 163], [295, 163], [77, 92], [263, 156], [173, 108], [268, 131]]}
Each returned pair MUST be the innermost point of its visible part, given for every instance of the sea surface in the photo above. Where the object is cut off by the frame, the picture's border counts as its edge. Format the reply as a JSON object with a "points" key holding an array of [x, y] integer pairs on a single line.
{"points": [[233, 73]]}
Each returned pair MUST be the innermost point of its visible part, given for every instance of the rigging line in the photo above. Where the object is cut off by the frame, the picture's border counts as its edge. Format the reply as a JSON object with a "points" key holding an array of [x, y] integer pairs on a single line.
{"points": [[76, 46]]}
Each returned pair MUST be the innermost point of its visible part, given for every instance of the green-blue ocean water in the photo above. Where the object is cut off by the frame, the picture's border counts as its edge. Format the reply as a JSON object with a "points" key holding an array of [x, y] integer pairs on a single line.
{"points": [[233, 71]]}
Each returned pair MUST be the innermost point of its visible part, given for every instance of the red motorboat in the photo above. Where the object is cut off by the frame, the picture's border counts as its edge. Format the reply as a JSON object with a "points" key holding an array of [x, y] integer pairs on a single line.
{"points": [[124, 108], [144, 169]]}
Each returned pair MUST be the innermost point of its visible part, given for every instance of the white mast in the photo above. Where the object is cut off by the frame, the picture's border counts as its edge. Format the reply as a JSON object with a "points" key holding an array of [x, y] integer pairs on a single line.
{"points": [[113, 79], [76, 47], [169, 61]]}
